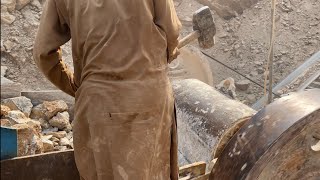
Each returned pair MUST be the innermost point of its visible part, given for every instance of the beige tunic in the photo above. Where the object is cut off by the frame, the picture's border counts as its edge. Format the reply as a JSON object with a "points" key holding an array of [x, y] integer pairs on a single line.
{"points": [[124, 124]]}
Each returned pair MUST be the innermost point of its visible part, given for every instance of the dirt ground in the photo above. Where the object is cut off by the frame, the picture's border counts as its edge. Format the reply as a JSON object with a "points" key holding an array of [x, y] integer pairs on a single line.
{"points": [[242, 40]]}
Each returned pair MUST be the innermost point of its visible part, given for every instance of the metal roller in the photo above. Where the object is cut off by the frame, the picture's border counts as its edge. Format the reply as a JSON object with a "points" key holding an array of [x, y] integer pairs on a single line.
{"points": [[282, 141], [203, 114]]}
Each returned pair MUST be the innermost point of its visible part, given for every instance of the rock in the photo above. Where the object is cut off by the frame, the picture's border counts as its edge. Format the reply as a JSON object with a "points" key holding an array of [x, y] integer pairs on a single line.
{"points": [[44, 124], [4, 110], [61, 121], [55, 144], [35, 125], [10, 4], [2, 50], [29, 142], [254, 73], [54, 139], [243, 85], [69, 135], [251, 98], [8, 45], [71, 143], [50, 130], [60, 148], [59, 134], [17, 117], [5, 123], [36, 4], [64, 142], [47, 109], [46, 137], [227, 87], [6, 18], [3, 69], [260, 70], [47, 145], [22, 3], [19, 103]]}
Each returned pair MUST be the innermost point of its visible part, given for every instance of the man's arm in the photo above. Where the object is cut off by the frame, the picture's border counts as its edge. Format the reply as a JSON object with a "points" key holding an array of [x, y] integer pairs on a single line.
{"points": [[52, 33], [166, 18]]}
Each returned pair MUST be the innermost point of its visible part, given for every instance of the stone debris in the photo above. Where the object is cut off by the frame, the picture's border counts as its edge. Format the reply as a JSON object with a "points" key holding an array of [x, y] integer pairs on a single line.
{"points": [[227, 87], [64, 142], [38, 133], [61, 121], [47, 145], [6, 17], [60, 134], [47, 109], [21, 103], [243, 85], [9, 4]]}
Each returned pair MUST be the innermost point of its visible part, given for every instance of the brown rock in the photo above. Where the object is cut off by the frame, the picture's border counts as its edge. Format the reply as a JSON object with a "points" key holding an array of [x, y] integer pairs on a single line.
{"points": [[60, 134], [55, 139], [61, 121], [4, 110], [47, 109], [21, 103], [5, 123], [44, 123], [243, 85], [29, 142], [60, 148], [35, 125], [47, 145]]}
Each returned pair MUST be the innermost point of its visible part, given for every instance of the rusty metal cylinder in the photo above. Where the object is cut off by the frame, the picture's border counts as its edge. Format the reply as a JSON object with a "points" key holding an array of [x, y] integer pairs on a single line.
{"points": [[203, 114]]}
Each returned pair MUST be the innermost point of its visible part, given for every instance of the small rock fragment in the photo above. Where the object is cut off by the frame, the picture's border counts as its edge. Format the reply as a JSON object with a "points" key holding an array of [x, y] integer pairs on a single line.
{"points": [[46, 137], [47, 145], [61, 121], [243, 85], [54, 139], [59, 134], [47, 109], [19, 103], [251, 98], [35, 125], [227, 87], [4, 110], [64, 142], [60, 148], [44, 124], [3, 68]]}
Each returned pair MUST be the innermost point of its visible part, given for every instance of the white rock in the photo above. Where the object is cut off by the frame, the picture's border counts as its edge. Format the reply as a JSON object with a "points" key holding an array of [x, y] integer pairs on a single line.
{"points": [[8, 45], [61, 121], [19, 103], [64, 142], [17, 117], [3, 69], [7, 18]]}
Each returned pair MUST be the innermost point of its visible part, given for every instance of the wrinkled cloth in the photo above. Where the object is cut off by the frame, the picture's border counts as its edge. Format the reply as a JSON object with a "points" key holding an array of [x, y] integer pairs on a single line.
{"points": [[124, 124]]}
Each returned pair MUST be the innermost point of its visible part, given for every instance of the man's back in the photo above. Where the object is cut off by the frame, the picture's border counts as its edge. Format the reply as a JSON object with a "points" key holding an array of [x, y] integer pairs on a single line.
{"points": [[124, 125]]}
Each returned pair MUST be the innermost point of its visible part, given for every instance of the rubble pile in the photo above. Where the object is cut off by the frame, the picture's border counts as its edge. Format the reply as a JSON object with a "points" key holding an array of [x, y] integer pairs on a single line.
{"points": [[42, 128]]}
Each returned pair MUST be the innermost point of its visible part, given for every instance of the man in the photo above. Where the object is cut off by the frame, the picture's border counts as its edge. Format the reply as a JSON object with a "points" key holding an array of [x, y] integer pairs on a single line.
{"points": [[124, 113]]}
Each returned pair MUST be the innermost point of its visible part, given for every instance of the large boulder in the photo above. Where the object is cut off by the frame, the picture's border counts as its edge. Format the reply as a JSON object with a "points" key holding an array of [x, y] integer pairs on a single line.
{"points": [[29, 141], [16, 117], [21, 103], [48, 109]]}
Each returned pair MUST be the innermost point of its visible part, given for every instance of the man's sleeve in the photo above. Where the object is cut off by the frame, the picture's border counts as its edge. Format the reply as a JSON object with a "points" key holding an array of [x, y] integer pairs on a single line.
{"points": [[166, 18], [52, 33]]}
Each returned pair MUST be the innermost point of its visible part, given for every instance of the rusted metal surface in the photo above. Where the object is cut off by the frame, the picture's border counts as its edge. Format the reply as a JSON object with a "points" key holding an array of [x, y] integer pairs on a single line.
{"points": [[276, 143], [203, 114], [50, 166]]}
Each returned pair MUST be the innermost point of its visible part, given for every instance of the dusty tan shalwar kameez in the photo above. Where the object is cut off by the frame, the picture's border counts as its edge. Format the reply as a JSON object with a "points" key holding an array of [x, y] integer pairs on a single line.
{"points": [[124, 125]]}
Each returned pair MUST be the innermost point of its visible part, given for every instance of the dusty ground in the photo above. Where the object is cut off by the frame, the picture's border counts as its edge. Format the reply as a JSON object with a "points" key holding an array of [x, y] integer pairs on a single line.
{"points": [[241, 42]]}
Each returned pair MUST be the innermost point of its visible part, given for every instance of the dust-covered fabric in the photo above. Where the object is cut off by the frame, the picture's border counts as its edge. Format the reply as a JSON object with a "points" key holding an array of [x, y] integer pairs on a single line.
{"points": [[124, 125]]}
